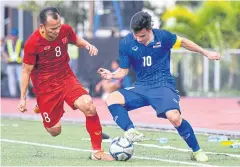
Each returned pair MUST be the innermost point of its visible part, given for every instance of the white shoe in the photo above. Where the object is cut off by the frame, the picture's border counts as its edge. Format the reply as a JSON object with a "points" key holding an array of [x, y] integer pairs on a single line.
{"points": [[199, 156], [133, 135]]}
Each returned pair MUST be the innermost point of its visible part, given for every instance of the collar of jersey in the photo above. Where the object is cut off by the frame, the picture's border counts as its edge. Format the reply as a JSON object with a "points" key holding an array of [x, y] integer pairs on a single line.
{"points": [[155, 40], [150, 44]]}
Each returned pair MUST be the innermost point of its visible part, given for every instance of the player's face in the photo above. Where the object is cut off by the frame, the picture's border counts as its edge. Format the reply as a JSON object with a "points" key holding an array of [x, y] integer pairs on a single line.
{"points": [[143, 36], [114, 65], [52, 27]]}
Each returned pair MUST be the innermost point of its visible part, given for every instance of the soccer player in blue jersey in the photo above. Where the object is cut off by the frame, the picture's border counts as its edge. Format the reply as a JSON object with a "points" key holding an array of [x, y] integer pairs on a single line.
{"points": [[148, 51]]}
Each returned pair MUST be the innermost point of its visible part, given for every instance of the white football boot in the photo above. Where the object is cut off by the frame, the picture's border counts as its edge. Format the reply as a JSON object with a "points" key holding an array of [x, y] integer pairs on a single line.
{"points": [[133, 135]]}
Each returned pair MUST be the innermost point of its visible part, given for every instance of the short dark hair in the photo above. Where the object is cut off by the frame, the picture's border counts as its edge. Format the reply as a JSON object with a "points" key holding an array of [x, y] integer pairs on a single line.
{"points": [[48, 11], [141, 20], [117, 61]]}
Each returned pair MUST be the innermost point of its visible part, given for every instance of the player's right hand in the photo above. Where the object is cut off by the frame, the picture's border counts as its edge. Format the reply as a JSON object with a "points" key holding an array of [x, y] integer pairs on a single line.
{"points": [[104, 73], [93, 51], [212, 55], [22, 105]]}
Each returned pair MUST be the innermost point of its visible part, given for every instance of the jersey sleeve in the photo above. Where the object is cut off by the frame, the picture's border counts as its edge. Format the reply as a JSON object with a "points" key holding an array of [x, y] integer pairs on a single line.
{"points": [[169, 39], [72, 37], [29, 56], [124, 61], [178, 42]]}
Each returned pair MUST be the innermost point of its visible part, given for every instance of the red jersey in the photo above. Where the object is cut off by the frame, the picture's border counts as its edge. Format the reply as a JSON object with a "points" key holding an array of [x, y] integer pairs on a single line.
{"points": [[50, 59]]}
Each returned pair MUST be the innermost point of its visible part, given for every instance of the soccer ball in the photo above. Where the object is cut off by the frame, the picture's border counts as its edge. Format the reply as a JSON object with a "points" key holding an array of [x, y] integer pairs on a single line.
{"points": [[121, 149]]}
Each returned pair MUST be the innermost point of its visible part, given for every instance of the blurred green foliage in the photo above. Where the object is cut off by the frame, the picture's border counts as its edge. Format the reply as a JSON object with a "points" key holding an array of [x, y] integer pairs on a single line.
{"points": [[211, 24]]}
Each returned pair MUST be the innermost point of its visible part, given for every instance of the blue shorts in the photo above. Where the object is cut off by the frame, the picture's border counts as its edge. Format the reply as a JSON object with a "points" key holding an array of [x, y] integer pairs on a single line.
{"points": [[162, 99]]}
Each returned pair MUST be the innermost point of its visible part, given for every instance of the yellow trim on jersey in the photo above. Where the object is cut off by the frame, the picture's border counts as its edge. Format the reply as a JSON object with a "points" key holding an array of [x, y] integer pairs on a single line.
{"points": [[177, 43]]}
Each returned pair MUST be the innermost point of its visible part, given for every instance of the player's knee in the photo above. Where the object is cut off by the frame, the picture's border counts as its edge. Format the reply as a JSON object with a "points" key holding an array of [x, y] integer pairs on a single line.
{"points": [[174, 117], [92, 109], [54, 131], [115, 98], [54, 134], [110, 99], [89, 109], [85, 104]]}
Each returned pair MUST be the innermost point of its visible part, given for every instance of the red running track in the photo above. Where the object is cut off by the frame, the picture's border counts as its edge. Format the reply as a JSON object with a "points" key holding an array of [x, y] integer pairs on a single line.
{"points": [[209, 113]]}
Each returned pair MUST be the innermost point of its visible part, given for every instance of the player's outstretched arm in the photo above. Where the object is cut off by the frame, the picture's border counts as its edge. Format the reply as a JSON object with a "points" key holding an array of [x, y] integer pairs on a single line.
{"points": [[118, 74], [82, 43], [26, 71], [189, 45]]}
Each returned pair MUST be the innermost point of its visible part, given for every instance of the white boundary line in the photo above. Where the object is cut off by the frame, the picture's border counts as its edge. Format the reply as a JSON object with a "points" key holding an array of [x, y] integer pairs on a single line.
{"points": [[84, 150], [185, 150], [173, 148]]}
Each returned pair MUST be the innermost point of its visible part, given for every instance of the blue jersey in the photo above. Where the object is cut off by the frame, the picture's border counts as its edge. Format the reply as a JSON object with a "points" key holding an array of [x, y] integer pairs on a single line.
{"points": [[151, 63]]}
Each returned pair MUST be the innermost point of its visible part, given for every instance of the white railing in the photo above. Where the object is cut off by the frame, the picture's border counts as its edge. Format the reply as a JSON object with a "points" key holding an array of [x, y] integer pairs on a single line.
{"points": [[201, 75]]}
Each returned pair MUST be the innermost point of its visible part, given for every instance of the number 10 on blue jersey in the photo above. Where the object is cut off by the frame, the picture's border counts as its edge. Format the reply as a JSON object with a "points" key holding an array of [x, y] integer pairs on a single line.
{"points": [[147, 61]]}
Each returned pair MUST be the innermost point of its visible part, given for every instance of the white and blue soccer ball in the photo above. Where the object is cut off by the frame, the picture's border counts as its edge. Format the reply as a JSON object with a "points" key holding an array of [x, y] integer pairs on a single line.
{"points": [[121, 149]]}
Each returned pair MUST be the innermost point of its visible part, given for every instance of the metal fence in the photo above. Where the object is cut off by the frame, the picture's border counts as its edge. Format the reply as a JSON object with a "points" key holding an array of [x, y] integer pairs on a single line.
{"points": [[201, 76]]}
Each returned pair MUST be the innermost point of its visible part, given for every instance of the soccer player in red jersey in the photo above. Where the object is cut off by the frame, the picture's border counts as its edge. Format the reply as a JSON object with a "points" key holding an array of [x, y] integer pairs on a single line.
{"points": [[46, 63]]}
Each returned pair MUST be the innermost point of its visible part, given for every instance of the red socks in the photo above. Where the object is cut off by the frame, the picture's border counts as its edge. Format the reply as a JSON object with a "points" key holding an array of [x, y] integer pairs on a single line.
{"points": [[94, 129]]}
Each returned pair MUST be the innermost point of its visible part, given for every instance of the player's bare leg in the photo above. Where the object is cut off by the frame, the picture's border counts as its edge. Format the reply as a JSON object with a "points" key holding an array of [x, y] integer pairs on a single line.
{"points": [[186, 132], [93, 126], [55, 130], [115, 102], [37, 111]]}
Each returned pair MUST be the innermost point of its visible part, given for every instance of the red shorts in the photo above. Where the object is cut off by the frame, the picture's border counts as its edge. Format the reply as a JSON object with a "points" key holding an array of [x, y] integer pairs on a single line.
{"points": [[51, 103]]}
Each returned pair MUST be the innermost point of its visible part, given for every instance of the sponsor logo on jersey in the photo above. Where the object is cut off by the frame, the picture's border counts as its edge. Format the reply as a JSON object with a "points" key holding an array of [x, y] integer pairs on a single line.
{"points": [[64, 40], [47, 47], [135, 48]]}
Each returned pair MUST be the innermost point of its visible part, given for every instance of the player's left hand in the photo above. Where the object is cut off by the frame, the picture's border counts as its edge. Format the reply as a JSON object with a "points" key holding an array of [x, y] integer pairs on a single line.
{"points": [[22, 105], [93, 51], [104, 73], [212, 55]]}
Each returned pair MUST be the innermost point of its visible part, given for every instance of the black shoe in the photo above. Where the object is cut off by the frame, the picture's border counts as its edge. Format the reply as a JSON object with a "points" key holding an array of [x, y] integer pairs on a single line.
{"points": [[105, 136]]}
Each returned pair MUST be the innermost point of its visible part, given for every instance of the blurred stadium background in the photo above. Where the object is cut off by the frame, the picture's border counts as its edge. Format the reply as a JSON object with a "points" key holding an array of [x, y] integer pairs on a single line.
{"points": [[210, 90]]}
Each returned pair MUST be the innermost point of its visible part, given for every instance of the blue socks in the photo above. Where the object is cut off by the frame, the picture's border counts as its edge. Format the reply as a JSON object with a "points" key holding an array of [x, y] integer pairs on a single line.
{"points": [[120, 116], [186, 132]]}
